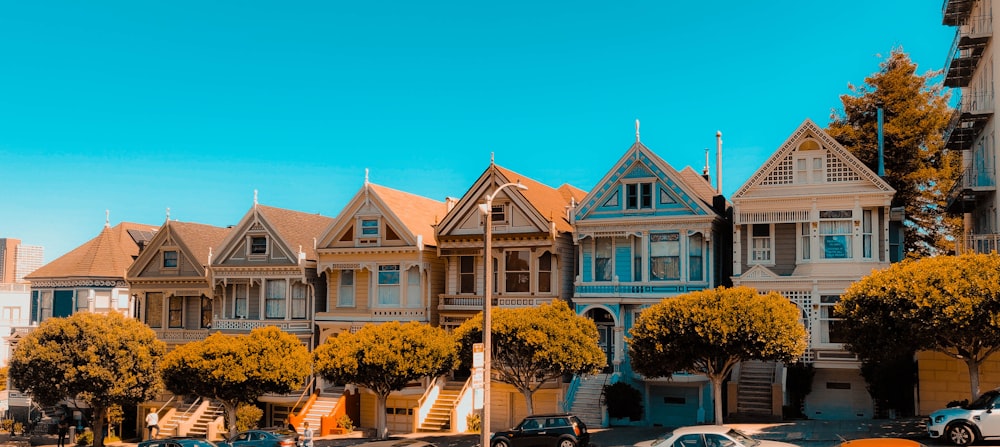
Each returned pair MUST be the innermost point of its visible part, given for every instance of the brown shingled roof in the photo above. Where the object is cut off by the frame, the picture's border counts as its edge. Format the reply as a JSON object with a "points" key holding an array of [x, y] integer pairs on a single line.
{"points": [[297, 228], [197, 238], [550, 202], [108, 255], [418, 213], [698, 185]]}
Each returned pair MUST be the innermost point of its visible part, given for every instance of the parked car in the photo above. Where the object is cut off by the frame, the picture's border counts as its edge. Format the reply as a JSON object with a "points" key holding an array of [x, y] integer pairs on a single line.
{"points": [[263, 437], [881, 442], [397, 443], [544, 430], [710, 436], [177, 442], [968, 424]]}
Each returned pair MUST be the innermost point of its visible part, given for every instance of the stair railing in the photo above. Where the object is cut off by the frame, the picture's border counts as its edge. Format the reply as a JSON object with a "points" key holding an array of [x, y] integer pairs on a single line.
{"points": [[179, 419], [463, 407], [296, 419], [426, 401], [184, 427], [574, 385]]}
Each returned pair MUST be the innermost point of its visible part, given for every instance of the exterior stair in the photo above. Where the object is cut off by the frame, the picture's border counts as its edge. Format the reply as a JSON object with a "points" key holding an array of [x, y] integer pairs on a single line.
{"points": [[754, 389], [321, 407], [200, 427], [439, 418], [587, 401]]}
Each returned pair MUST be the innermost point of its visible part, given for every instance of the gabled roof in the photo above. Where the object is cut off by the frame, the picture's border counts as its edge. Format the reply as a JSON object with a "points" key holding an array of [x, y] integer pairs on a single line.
{"points": [[294, 229], [774, 171], [690, 189], [550, 202], [108, 255], [194, 239], [416, 214]]}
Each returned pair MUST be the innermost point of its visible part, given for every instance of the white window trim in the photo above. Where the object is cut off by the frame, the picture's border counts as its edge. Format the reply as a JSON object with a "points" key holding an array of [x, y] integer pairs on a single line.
{"points": [[653, 196], [751, 248], [267, 246], [163, 258], [362, 239], [353, 286]]}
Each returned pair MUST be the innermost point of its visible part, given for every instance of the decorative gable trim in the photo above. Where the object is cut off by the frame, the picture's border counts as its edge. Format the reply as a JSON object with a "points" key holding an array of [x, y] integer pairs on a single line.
{"points": [[758, 273]]}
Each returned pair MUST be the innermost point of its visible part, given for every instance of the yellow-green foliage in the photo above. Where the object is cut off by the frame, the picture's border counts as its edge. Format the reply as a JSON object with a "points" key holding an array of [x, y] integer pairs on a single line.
{"points": [[534, 345], [385, 357], [247, 417], [708, 332], [3, 378]]}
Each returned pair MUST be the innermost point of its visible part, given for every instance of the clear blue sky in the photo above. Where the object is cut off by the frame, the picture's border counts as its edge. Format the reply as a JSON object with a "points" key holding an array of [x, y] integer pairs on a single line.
{"points": [[135, 107]]}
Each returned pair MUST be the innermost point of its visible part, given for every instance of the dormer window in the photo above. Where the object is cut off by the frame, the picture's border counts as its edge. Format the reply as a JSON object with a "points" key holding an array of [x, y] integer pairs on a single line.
{"points": [[170, 259], [369, 231], [639, 196], [498, 214], [258, 245]]}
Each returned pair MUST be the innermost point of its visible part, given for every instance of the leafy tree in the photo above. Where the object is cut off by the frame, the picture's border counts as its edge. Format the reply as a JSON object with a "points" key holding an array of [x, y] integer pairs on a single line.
{"points": [[235, 369], [535, 345], [3, 378], [100, 359], [915, 114], [385, 357], [948, 304], [710, 331]]}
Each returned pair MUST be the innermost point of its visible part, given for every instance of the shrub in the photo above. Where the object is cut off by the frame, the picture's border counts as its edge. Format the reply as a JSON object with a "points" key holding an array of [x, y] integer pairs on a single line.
{"points": [[623, 401], [473, 422], [85, 438], [7, 425], [345, 423], [17, 428], [247, 417]]}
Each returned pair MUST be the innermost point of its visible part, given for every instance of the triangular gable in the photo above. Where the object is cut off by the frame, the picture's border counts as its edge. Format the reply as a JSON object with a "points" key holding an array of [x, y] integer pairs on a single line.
{"points": [[291, 236], [193, 241], [408, 217], [672, 191], [840, 166], [758, 273], [529, 208]]}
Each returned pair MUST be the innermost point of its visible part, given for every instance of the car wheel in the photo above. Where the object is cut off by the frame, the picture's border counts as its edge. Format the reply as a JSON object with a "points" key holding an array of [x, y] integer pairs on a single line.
{"points": [[961, 434], [566, 442], [501, 443]]}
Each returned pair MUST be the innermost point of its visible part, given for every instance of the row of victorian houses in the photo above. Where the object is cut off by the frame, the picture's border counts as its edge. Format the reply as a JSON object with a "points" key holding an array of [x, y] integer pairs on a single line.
{"points": [[810, 221]]}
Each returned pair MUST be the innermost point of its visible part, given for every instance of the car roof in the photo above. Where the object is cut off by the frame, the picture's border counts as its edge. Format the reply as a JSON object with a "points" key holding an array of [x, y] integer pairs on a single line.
{"points": [[397, 443], [702, 429], [881, 442], [550, 415]]}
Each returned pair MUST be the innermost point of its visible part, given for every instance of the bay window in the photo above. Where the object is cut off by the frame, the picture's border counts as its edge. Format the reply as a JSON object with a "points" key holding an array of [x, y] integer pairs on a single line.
{"points": [[517, 271], [388, 285], [664, 256], [467, 274], [154, 309], [760, 244], [175, 317], [413, 295], [696, 258], [299, 300]]}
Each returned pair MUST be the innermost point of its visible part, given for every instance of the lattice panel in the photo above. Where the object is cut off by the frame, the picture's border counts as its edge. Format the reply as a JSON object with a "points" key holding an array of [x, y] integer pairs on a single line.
{"points": [[804, 300], [782, 173], [838, 171]]}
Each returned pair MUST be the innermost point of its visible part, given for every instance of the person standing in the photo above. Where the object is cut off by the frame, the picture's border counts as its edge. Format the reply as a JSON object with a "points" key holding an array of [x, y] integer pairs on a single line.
{"points": [[153, 423], [307, 435], [63, 427]]}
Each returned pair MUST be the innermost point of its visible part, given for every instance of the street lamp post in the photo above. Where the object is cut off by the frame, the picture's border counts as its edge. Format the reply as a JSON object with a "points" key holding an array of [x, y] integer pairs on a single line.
{"points": [[487, 210]]}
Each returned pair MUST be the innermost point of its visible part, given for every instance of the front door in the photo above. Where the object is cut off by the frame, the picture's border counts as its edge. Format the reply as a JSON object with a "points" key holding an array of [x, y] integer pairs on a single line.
{"points": [[606, 335], [62, 303]]}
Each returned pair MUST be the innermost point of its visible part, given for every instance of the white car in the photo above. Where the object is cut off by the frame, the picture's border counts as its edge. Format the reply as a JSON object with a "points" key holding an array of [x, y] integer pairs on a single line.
{"points": [[710, 436], [968, 424]]}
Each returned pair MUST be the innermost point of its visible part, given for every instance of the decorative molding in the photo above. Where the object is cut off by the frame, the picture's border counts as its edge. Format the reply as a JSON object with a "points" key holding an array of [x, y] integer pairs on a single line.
{"points": [[78, 283]]}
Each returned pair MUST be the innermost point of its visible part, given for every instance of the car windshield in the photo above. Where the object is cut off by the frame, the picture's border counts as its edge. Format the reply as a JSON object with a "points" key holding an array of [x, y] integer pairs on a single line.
{"points": [[984, 402], [660, 440], [742, 438]]}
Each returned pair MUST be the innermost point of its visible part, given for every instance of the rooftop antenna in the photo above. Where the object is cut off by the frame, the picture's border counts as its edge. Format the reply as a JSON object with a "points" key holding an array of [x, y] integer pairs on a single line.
{"points": [[107, 218], [704, 172], [636, 131]]}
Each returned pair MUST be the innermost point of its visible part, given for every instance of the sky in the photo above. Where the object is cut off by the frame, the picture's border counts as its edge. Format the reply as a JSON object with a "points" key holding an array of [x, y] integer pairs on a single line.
{"points": [[136, 107]]}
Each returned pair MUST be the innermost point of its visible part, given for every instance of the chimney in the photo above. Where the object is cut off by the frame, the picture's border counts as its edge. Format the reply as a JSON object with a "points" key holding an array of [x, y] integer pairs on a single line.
{"points": [[718, 162], [704, 172]]}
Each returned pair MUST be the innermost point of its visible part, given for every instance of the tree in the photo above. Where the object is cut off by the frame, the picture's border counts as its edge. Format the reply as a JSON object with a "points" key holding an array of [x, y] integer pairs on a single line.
{"points": [[710, 331], [3, 378], [235, 369], [385, 357], [915, 116], [948, 304], [532, 346], [100, 359]]}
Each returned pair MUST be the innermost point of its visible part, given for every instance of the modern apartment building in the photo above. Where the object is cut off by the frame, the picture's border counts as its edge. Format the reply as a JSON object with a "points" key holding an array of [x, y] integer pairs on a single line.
{"points": [[18, 260]]}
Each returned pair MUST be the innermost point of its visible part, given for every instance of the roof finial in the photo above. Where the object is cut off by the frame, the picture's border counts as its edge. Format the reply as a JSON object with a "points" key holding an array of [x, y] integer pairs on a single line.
{"points": [[168, 213], [636, 131], [366, 176], [255, 198], [491, 157], [107, 218]]}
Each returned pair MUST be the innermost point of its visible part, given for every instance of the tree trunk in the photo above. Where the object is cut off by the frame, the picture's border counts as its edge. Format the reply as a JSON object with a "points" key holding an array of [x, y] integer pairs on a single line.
{"points": [[380, 429], [231, 416], [717, 397], [528, 394], [973, 365], [98, 425]]}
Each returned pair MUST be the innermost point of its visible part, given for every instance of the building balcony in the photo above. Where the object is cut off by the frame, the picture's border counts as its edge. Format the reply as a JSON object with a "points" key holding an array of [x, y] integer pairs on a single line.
{"points": [[177, 335], [971, 186], [975, 108], [980, 243], [633, 290], [956, 12], [247, 325], [475, 302], [967, 50]]}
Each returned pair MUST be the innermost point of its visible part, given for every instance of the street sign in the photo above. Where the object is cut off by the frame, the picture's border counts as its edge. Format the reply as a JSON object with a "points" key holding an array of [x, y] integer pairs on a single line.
{"points": [[478, 357]]}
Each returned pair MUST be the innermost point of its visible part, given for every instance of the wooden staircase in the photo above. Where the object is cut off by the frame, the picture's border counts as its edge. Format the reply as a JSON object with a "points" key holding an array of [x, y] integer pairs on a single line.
{"points": [[754, 396], [439, 418], [191, 420], [322, 406], [587, 401], [202, 420]]}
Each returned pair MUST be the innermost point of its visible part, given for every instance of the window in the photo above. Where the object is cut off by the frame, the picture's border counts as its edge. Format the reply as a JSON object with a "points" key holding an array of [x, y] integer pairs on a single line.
{"points": [[866, 234], [345, 292], [154, 309], [760, 244], [637, 259], [545, 272], [170, 259], [206, 312], [638, 196], [830, 327], [664, 256], [835, 234], [258, 245], [175, 312], [299, 300], [240, 300], [388, 285], [413, 295], [498, 213], [602, 259], [517, 271], [274, 300], [805, 241], [467, 274], [369, 228], [696, 258]]}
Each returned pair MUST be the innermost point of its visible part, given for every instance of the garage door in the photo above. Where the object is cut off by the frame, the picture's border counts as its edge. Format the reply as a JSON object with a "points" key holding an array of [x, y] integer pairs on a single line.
{"points": [[673, 406]]}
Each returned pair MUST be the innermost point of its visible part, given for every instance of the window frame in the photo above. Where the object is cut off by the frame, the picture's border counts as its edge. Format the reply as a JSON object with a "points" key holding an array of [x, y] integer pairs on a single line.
{"points": [[175, 312], [245, 300], [827, 319], [829, 220], [279, 309], [299, 303], [517, 276], [757, 245], [604, 246], [467, 277], [638, 196], [544, 275], [170, 257], [667, 238], [255, 242], [207, 312], [155, 320], [385, 271], [342, 286]]}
